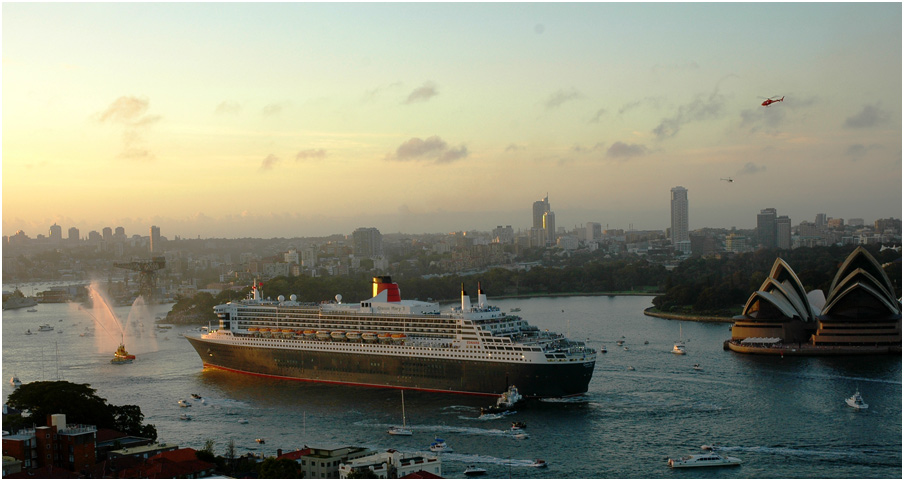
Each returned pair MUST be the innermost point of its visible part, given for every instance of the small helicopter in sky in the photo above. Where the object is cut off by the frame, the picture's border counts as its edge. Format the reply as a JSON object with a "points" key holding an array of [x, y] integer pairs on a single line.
{"points": [[727, 179], [771, 100]]}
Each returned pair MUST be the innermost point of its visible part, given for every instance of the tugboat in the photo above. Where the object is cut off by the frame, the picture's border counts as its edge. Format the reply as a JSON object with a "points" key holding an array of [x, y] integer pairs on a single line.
{"points": [[121, 356], [507, 401]]}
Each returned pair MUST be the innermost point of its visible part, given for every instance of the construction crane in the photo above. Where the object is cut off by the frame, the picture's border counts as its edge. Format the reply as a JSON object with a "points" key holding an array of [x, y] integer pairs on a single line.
{"points": [[147, 274]]}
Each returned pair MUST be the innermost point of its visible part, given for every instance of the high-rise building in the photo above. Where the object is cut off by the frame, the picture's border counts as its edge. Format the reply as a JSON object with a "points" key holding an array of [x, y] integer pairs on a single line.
{"points": [[56, 233], [550, 228], [820, 221], [155, 239], [540, 207], [783, 232], [592, 231], [108, 234], [367, 242], [119, 233], [766, 228], [73, 235], [679, 215]]}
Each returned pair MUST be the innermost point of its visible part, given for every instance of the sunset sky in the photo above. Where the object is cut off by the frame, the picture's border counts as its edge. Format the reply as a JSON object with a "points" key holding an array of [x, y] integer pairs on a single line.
{"points": [[284, 120]]}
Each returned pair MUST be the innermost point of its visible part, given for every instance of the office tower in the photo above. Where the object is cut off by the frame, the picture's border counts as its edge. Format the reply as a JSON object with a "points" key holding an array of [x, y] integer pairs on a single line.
{"points": [[549, 228], [367, 242], [679, 215], [783, 232], [119, 234], [540, 207], [108, 234], [820, 221], [56, 233], [73, 235], [155, 239], [766, 228], [592, 231]]}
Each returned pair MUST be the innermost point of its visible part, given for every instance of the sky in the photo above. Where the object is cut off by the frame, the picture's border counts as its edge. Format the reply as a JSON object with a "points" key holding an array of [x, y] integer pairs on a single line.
{"points": [[292, 120]]}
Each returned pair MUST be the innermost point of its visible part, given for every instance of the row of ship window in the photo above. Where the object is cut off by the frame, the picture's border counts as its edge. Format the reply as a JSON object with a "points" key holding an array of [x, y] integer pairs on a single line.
{"points": [[474, 356]]}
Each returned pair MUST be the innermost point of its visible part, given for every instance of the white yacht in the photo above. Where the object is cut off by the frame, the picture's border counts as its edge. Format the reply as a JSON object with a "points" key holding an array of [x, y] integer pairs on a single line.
{"points": [[711, 459], [183, 404], [471, 470], [679, 347], [439, 445], [855, 401]]}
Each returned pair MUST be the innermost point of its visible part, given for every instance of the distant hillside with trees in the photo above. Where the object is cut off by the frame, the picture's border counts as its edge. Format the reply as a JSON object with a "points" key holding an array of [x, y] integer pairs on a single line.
{"points": [[698, 286]]}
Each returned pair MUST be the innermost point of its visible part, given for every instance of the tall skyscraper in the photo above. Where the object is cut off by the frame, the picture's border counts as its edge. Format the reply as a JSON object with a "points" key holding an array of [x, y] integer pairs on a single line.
{"points": [[540, 207], [56, 233], [155, 239], [766, 228], [679, 215], [592, 231], [367, 242], [73, 235], [550, 228], [783, 232]]}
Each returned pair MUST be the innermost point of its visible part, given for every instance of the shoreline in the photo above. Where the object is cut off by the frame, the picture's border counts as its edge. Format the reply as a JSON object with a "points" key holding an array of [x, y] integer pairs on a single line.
{"points": [[678, 317]]}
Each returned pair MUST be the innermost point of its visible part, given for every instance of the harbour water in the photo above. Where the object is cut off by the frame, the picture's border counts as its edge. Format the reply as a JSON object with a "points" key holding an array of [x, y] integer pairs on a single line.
{"points": [[784, 417]]}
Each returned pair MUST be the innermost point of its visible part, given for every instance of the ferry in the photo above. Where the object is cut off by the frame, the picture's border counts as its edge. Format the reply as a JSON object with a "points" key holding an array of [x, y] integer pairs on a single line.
{"points": [[467, 349]]}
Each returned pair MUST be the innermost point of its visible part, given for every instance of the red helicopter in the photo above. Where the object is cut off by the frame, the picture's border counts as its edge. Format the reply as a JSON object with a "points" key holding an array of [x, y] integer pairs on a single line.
{"points": [[771, 100]]}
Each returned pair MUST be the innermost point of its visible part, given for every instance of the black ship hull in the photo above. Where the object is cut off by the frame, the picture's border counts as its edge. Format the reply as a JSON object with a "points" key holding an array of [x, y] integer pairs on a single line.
{"points": [[439, 374]]}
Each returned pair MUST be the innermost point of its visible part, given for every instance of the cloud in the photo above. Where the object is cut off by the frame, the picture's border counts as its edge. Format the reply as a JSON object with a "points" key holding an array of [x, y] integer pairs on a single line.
{"points": [[597, 116], [130, 113], [699, 109], [422, 94], [127, 110], [857, 151], [514, 147], [433, 149], [560, 97], [623, 150], [272, 109], [269, 162], [751, 168], [372, 95], [870, 116], [227, 107], [310, 154]]}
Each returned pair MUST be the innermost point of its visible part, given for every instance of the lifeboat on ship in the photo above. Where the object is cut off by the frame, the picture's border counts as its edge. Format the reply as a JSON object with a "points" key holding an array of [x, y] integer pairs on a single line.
{"points": [[287, 333], [384, 338], [322, 335], [369, 337], [353, 336], [399, 338], [338, 335], [309, 333]]}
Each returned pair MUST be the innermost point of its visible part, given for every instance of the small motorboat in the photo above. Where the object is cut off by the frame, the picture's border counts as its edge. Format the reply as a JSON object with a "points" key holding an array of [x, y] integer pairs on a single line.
{"points": [[183, 404], [631, 368], [471, 471], [710, 459], [259, 440], [243, 420], [620, 342], [45, 327], [14, 381], [439, 445], [196, 396], [603, 349], [697, 366], [855, 401], [185, 416], [28, 332], [32, 310], [539, 463], [519, 426]]}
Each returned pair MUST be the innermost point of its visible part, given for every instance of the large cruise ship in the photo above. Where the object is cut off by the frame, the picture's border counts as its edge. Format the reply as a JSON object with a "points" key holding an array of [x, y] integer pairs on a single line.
{"points": [[386, 341]]}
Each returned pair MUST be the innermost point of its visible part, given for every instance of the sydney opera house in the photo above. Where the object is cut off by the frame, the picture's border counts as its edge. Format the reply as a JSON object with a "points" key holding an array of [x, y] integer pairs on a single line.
{"points": [[860, 315]]}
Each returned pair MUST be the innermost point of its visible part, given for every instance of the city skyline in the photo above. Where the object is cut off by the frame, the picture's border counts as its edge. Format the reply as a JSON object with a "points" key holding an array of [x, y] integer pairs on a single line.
{"points": [[304, 120]]}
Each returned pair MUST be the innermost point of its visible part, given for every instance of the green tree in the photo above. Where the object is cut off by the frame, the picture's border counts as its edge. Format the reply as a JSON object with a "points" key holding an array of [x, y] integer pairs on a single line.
{"points": [[362, 473], [274, 468]]}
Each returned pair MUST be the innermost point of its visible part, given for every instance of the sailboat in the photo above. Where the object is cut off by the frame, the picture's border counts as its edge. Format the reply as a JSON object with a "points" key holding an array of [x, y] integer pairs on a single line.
{"points": [[679, 347], [403, 430]]}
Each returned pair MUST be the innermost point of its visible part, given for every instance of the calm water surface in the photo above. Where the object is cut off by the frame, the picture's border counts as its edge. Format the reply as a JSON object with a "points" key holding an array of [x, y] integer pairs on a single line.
{"points": [[784, 417]]}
